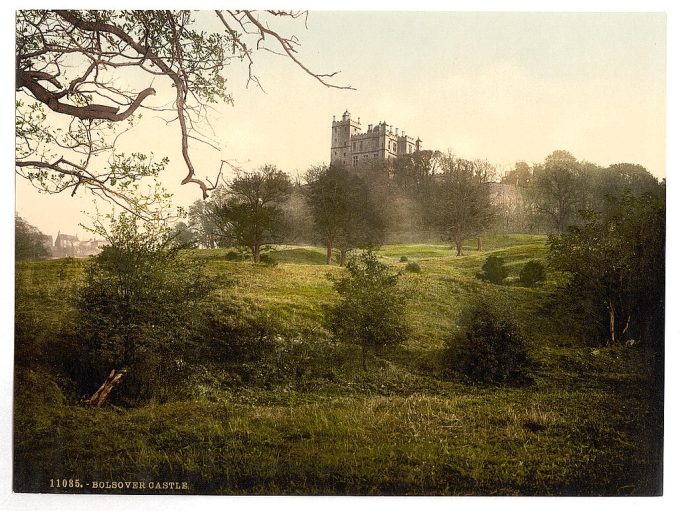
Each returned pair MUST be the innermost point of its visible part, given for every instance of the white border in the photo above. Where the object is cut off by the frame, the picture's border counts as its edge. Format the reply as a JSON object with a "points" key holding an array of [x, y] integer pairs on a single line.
{"points": [[12, 501]]}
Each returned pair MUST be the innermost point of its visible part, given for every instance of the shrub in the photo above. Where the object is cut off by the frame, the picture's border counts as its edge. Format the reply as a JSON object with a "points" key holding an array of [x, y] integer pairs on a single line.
{"points": [[403, 259], [532, 273], [487, 347], [493, 270], [370, 311], [137, 311], [412, 267]]}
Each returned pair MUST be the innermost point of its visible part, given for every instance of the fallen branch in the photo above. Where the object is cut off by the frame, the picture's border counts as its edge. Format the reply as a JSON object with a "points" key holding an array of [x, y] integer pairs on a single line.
{"points": [[99, 397]]}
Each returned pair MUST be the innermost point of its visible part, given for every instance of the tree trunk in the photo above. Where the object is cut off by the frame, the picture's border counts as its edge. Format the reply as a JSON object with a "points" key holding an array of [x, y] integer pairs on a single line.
{"points": [[612, 323], [343, 256], [256, 253], [459, 247], [102, 394], [479, 243], [329, 252]]}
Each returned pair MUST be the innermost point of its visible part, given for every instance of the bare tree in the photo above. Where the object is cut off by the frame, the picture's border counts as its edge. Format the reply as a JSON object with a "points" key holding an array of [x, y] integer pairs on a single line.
{"points": [[73, 70]]}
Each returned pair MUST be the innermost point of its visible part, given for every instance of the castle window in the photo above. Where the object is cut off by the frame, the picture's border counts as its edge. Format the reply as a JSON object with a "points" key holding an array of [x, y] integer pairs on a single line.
{"points": [[375, 155], [355, 161], [354, 146], [361, 145]]}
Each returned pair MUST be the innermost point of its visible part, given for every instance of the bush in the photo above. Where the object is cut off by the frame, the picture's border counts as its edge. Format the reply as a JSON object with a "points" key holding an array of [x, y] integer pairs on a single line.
{"points": [[403, 259], [371, 308], [493, 270], [487, 348], [532, 273], [412, 267], [137, 311]]}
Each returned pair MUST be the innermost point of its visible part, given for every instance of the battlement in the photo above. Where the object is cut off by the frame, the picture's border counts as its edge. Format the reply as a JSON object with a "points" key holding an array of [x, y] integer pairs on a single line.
{"points": [[353, 146]]}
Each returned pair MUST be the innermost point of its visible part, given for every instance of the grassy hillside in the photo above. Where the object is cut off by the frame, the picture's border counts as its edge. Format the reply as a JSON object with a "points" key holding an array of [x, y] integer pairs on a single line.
{"points": [[305, 419]]}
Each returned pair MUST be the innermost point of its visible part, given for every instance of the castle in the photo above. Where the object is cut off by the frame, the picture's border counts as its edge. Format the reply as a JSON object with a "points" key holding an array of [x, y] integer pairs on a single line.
{"points": [[352, 147]]}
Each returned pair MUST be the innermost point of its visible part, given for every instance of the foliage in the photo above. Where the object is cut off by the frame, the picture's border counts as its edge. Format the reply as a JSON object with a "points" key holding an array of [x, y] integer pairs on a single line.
{"points": [[487, 347], [75, 71], [532, 273], [136, 310], [616, 265], [370, 311], [403, 259], [181, 236], [556, 188], [461, 206], [344, 213], [29, 242], [250, 215], [493, 270], [412, 267]]}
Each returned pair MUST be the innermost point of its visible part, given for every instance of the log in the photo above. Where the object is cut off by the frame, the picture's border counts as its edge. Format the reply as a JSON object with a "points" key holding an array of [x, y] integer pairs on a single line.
{"points": [[112, 381]]}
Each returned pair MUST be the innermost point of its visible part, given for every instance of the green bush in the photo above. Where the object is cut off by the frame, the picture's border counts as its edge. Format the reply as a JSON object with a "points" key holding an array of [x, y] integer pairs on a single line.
{"points": [[532, 273], [136, 310], [412, 267], [403, 259], [493, 270], [487, 347], [370, 311]]}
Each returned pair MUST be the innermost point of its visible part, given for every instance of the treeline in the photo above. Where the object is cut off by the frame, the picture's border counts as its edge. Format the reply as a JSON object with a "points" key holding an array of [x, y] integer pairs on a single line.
{"points": [[426, 196]]}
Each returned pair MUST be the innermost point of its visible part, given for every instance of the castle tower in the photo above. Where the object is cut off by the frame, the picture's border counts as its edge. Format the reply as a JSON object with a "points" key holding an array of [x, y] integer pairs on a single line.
{"points": [[353, 148], [341, 136]]}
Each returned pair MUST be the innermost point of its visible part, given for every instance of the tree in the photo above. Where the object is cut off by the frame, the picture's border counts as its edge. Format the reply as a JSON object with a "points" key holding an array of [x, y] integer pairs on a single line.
{"points": [[616, 265], [182, 236], [29, 242], [250, 216], [74, 76], [461, 205], [136, 310], [344, 213], [371, 307], [519, 176], [202, 222], [555, 189]]}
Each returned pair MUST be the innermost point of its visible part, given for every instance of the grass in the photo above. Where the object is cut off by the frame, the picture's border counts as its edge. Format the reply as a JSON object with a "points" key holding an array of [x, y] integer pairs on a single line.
{"points": [[314, 423]]}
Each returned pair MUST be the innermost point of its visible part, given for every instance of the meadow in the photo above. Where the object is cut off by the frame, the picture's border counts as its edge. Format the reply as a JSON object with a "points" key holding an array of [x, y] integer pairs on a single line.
{"points": [[304, 418]]}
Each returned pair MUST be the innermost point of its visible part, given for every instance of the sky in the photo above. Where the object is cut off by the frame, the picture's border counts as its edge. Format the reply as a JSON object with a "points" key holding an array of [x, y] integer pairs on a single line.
{"points": [[499, 86]]}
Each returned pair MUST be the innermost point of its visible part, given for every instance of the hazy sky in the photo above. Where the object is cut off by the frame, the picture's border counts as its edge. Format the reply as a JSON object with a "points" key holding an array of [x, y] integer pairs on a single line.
{"points": [[500, 86]]}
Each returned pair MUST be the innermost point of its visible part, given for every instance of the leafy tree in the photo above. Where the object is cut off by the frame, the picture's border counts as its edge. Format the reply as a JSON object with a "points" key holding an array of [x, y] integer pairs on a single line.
{"points": [[371, 307], [487, 347], [201, 221], [75, 76], [519, 176], [461, 205], [182, 236], [344, 214], [556, 188], [29, 242], [532, 273], [616, 265], [250, 216], [493, 270], [137, 309]]}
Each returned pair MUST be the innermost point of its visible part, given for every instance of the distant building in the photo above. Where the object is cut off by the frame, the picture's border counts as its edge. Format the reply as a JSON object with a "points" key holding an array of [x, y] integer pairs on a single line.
{"points": [[354, 148], [67, 245]]}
